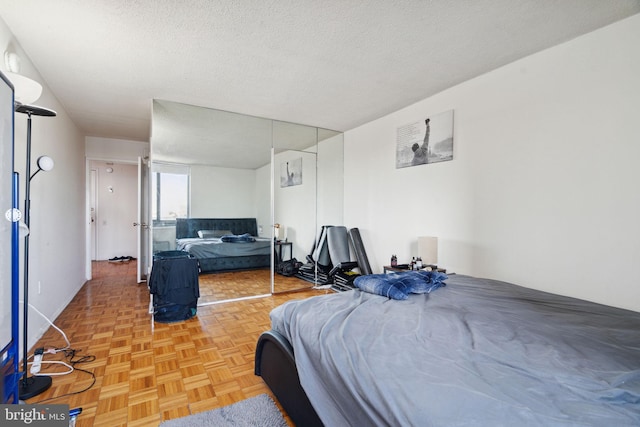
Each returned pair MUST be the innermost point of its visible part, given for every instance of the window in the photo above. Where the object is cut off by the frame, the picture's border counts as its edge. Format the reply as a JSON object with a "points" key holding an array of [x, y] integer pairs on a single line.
{"points": [[170, 194]]}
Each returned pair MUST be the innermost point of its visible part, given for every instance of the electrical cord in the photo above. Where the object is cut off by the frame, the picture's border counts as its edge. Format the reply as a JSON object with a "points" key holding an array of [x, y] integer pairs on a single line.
{"points": [[51, 323], [52, 362], [70, 354]]}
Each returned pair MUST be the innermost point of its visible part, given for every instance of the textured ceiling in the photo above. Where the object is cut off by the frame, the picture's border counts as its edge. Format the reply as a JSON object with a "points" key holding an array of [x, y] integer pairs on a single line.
{"points": [[335, 64], [187, 134]]}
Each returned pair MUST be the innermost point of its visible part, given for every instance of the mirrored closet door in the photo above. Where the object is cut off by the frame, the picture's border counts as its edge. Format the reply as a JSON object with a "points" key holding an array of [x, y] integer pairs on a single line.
{"points": [[226, 174]]}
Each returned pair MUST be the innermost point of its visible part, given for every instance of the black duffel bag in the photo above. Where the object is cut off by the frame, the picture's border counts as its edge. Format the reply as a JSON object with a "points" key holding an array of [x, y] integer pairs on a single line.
{"points": [[289, 267]]}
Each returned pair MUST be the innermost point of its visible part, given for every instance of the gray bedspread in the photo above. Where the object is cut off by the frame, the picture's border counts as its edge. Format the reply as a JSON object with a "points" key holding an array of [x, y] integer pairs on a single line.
{"points": [[476, 352], [215, 247]]}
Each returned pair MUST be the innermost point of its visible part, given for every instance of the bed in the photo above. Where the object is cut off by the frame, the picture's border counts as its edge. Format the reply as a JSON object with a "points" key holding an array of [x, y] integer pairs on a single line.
{"points": [[223, 244], [472, 352]]}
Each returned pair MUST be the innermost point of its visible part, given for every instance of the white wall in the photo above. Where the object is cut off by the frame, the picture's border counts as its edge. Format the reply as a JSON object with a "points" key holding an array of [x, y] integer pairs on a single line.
{"points": [[331, 181], [302, 209], [115, 150], [295, 206], [222, 192], [57, 241], [543, 188], [263, 200], [226, 193]]}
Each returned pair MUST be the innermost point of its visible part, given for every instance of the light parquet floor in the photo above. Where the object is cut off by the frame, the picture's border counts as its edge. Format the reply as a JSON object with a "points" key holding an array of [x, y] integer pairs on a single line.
{"points": [[216, 287], [145, 377]]}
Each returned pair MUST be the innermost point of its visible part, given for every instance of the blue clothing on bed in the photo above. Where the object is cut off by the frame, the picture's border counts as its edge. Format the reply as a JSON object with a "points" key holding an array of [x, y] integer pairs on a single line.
{"points": [[238, 238], [400, 285]]}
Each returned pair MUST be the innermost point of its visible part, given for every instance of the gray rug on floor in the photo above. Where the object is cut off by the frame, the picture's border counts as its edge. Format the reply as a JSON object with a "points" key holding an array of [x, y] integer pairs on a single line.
{"points": [[259, 411]]}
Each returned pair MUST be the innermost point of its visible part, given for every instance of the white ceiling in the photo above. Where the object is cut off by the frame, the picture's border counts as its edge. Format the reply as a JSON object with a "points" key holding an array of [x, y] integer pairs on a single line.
{"points": [[191, 135], [335, 64]]}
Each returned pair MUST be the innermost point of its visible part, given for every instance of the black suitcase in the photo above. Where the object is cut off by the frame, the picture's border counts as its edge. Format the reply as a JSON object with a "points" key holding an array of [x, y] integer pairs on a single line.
{"points": [[174, 286]]}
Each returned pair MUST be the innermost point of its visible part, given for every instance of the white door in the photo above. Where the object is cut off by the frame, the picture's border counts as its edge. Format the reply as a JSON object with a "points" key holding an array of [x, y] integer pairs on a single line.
{"points": [[93, 204], [142, 222]]}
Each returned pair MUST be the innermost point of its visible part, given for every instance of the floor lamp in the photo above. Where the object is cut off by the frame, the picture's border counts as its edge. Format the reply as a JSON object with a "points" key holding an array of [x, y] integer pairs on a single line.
{"points": [[31, 386]]}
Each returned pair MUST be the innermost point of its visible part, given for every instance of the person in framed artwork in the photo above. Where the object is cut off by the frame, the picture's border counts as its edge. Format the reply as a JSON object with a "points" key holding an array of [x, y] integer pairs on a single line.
{"points": [[420, 151], [289, 177]]}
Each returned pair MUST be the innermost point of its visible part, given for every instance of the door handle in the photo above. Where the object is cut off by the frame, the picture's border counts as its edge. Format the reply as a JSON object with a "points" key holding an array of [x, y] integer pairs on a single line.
{"points": [[142, 224]]}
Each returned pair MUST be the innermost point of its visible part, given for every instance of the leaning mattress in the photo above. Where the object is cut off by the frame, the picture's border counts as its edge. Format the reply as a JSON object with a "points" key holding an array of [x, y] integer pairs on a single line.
{"points": [[475, 352]]}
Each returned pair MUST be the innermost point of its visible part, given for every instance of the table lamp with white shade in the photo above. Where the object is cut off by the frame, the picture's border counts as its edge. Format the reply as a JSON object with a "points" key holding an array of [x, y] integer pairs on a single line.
{"points": [[428, 250]]}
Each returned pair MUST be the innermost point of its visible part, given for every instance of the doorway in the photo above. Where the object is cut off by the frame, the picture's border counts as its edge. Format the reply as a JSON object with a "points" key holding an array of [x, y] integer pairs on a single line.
{"points": [[113, 202]]}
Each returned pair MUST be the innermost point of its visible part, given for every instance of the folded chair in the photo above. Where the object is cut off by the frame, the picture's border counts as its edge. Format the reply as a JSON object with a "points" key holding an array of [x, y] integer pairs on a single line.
{"points": [[359, 252], [338, 242], [318, 261], [330, 261], [342, 274]]}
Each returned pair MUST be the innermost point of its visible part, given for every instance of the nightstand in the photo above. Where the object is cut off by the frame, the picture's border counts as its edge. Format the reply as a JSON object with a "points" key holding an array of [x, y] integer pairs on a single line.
{"points": [[279, 244]]}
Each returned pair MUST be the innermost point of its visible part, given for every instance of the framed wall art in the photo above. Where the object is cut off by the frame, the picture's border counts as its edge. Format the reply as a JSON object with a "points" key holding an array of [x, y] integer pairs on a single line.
{"points": [[291, 172], [425, 141]]}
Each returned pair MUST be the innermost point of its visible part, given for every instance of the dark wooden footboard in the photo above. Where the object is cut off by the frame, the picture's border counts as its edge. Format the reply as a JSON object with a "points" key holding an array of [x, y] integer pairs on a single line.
{"points": [[276, 365]]}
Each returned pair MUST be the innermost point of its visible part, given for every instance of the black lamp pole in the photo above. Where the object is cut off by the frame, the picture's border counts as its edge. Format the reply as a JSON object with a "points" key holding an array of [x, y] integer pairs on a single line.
{"points": [[29, 386]]}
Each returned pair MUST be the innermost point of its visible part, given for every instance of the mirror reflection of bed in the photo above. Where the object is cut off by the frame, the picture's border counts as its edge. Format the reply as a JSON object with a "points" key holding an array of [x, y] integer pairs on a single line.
{"points": [[228, 158], [224, 246]]}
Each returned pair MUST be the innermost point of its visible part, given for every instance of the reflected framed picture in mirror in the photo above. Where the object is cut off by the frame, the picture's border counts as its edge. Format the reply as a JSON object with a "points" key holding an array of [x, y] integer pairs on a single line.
{"points": [[291, 172]]}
